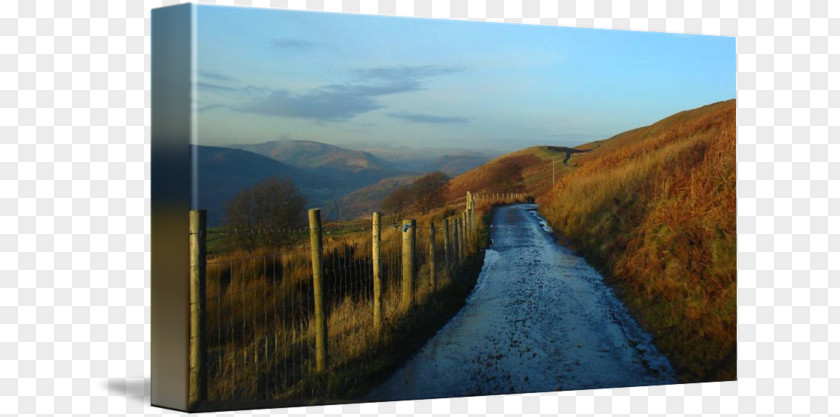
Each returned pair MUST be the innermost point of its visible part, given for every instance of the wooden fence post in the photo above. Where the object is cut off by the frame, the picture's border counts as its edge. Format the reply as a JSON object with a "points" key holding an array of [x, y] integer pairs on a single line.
{"points": [[432, 255], [198, 288], [470, 234], [468, 217], [465, 235], [408, 272], [465, 228], [472, 224], [471, 221], [446, 260], [456, 242], [466, 223], [460, 227], [377, 274], [318, 289]]}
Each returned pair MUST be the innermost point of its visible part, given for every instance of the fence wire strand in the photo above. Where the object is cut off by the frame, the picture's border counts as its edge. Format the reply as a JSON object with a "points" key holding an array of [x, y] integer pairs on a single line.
{"points": [[259, 305]]}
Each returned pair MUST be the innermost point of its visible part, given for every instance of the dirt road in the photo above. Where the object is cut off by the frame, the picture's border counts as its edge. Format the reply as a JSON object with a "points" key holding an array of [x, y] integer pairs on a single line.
{"points": [[539, 319]]}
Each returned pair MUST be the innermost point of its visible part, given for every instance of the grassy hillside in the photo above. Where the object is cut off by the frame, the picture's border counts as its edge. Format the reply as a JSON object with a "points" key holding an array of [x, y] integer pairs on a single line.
{"points": [[456, 164], [450, 161], [364, 201], [654, 208], [536, 171]]}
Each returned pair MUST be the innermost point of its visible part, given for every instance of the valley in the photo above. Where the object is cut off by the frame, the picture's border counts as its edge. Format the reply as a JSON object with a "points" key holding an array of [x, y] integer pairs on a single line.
{"points": [[651, 209], [346, 183]]}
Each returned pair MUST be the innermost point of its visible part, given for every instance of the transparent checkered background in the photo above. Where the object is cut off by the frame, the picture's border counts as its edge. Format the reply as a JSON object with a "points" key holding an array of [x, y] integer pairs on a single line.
{"points": [[74, 205]]}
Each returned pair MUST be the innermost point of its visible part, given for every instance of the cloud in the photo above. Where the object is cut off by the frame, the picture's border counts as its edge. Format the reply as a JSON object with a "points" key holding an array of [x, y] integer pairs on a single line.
{"points": [[428, 118], [215, 76], [339, 102], [291, 44], [402, 73], [208, 107], [216, 87], [331, 103]]}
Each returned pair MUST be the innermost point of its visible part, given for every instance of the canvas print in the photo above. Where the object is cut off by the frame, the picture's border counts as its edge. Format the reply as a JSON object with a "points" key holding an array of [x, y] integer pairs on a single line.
{"points": [[379, 208]]}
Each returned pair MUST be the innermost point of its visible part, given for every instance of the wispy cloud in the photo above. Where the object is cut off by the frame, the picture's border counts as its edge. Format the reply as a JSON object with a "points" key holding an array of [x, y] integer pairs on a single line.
{"points": [[402, 73], [428, 118], [291, 44], [338, 102], [216, 87], [330, 103], [215, 76], [208, 107]]}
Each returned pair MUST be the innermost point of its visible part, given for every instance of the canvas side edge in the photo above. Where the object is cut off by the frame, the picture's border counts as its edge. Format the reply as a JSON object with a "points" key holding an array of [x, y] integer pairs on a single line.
{"points": [[170, 188]]}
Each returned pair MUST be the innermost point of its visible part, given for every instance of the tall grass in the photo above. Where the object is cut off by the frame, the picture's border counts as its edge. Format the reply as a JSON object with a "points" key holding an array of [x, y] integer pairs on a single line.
{"points": [[260, 312], [536, 163], [654, 208]]}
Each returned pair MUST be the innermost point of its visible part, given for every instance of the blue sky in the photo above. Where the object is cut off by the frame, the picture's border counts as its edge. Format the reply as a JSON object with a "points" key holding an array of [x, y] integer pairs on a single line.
{"points": [[356, 80]]}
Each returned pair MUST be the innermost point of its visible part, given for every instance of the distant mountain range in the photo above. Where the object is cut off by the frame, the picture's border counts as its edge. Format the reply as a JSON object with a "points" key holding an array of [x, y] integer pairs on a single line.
{"points": [[223, 172], [343, 181], [354, 168]]}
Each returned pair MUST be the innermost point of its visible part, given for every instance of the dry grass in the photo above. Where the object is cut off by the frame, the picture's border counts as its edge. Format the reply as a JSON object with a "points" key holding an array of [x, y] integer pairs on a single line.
{"points": [[536, 172], [654, 208], [260, 326]]}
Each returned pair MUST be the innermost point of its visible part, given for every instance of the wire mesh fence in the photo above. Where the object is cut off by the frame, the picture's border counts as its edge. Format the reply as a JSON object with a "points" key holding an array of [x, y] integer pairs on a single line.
{"points": [[255, 323]]}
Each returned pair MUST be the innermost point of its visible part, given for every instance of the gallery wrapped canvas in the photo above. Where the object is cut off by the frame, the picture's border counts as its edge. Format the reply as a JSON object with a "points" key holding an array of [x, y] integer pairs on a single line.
{"points": [[351, 208]]}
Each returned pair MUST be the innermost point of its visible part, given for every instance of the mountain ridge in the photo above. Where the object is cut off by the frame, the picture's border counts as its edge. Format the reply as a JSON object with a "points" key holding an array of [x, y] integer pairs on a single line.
{"points": [[224, 172]]}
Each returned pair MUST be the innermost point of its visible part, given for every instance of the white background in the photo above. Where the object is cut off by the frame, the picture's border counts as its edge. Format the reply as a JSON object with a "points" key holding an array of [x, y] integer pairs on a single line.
{"points": [[75, 205]]}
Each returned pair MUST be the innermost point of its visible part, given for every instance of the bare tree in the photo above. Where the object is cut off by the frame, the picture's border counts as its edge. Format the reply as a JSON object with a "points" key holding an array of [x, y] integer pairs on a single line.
{"points": [[398, 202], [261, 215], [424, 194], [429, 191]]}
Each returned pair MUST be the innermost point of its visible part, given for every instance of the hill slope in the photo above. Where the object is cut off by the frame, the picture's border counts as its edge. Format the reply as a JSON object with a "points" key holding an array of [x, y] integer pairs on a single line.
{"points": [[364, 201], [450, 161], [536, 163], [223, 172], [458, 163], [654, 208]]}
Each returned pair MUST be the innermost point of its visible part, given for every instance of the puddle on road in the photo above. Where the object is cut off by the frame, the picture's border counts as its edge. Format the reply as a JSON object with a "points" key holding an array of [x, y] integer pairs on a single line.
{"points": [[539, 319]]}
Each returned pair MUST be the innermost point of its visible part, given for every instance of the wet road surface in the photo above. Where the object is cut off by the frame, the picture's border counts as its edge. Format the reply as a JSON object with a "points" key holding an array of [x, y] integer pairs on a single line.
{"points": [[539, 319]]}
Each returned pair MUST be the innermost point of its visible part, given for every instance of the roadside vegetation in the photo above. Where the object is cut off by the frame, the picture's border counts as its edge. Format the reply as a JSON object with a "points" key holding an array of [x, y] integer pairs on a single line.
{"points": [[654, 209], [260, 304]]}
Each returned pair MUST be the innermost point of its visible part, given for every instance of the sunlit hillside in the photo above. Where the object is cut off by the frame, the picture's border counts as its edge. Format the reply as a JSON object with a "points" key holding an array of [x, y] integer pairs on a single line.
{"points": [[536, 163], [362, 202], [655, 209]]}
